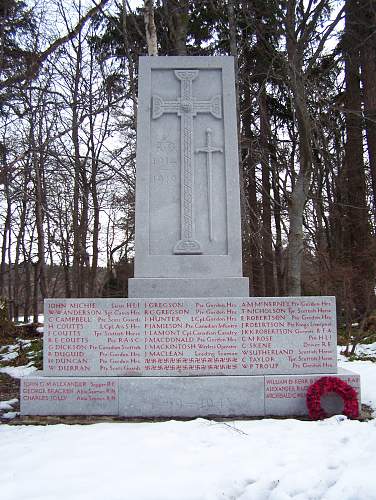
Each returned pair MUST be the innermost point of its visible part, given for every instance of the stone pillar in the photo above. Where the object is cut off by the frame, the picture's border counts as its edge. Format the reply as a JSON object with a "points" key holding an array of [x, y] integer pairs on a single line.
{"points": [[188, 235]]}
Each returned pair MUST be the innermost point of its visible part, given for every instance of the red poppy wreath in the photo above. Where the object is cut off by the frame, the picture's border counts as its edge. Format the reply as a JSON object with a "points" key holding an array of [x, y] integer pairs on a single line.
{"points": [[324, 385]]}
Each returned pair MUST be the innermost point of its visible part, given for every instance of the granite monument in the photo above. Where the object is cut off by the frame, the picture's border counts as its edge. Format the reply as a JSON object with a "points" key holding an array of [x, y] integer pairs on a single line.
{"points": [[188, 341]]}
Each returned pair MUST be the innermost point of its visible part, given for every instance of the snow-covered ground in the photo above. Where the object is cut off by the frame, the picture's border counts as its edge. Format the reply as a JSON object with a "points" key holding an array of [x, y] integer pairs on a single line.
{"points": [[366, 370], [266, 459], [196, 460]]}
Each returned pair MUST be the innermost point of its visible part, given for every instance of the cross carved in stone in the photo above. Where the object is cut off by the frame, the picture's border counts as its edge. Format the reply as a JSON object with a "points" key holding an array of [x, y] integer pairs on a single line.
{"points": [[186, 107]]}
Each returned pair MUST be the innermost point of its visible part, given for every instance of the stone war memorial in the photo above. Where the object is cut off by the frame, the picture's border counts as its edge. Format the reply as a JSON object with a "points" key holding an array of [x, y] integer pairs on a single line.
{"points": [[189, 341]]}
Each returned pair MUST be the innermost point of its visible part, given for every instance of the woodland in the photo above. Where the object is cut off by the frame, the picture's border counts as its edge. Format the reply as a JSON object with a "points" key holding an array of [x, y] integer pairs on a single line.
{"points": [[306, 104]]}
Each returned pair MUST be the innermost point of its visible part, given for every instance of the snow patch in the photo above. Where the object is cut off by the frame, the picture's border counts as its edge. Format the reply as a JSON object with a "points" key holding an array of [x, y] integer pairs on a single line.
{"points": [[19, 371], [8, 356], [10, 414]]}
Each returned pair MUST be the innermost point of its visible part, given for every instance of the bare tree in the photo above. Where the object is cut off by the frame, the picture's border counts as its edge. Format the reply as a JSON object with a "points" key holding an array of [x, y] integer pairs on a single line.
{"points": [[299, 38]]}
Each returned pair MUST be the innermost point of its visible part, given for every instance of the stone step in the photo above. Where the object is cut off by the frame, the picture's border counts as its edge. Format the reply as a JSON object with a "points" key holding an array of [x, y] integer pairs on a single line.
{"points": [[217, 396]]}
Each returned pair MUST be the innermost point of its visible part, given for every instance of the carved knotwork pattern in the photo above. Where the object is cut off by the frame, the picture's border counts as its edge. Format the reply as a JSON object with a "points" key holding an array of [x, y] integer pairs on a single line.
{"points": [[188, 194]]}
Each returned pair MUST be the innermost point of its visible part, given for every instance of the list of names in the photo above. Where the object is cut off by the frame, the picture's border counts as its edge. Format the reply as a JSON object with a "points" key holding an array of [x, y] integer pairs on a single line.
{"points": [[146, 337]]}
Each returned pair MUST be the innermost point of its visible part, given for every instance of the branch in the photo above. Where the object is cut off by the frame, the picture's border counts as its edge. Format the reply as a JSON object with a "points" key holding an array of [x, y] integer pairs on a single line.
{"points": [[324, 38], [100, 110], [31, 72], [134, 21]]}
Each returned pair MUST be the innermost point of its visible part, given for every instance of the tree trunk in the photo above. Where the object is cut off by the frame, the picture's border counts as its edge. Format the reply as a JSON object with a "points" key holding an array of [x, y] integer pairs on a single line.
{"points": [[19, 241], [150, 29], [257, 281], [130, 61], [39, 219], [7, 223], [277, 223], [295, 238], [300, 190], [177, 12], [368, 66], [267, 237], [35, 293], [27, 290], [358, 251], [80, 201], [234, 54]]}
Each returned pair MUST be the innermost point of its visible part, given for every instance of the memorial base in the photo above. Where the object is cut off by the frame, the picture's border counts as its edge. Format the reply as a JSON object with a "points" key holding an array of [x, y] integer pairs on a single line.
{"points": [[184, 397], [187, 287]]}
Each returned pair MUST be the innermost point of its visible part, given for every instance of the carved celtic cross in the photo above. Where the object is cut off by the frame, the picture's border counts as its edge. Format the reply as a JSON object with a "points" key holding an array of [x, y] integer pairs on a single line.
{"points": [[187, 107]]}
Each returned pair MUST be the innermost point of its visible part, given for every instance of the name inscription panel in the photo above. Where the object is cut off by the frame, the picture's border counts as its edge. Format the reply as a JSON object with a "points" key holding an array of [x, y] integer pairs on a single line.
{"points": [[69, 396], [208, 336], [286, 395]]}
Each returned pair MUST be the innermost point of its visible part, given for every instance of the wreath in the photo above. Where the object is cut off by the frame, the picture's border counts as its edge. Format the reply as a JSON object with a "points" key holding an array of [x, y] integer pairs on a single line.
{"points": [[324, 385]]}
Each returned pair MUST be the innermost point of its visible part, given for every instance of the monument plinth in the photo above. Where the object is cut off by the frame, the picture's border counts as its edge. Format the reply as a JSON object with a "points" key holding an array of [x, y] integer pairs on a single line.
{"points": [[189, 341]]}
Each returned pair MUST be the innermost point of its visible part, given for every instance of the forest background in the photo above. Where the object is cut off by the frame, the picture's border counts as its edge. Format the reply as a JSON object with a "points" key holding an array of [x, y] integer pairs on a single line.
{"points": [[305, 77]]}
